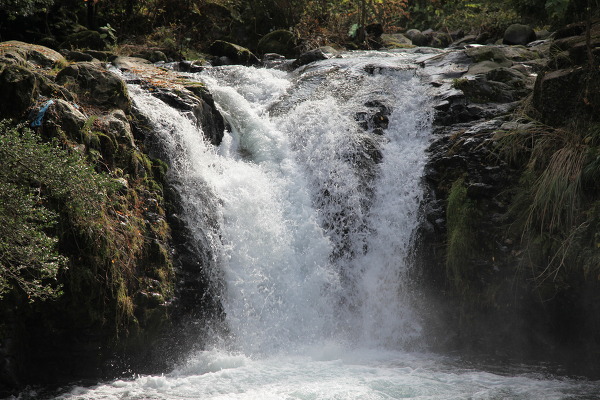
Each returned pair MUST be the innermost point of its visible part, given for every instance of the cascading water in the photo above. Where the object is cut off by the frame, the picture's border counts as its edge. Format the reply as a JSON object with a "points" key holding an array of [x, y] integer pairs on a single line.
{"points": [[308, 207]]}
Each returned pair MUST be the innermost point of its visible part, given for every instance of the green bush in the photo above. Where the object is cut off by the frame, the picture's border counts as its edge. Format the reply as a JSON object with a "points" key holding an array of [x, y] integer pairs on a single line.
{"points": [[40, 182]]}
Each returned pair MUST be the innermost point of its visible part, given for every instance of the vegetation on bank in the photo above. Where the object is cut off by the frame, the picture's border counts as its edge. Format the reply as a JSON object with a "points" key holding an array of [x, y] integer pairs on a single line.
{"points": [[186, 27], [39, 181]]}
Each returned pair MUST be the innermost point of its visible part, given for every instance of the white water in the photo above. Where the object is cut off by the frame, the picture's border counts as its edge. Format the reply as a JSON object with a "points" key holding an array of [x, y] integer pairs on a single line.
{"points": [[312, 243]]}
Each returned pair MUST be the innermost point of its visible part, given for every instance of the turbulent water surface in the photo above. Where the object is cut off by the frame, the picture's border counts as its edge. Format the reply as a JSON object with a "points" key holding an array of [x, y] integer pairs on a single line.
{"points": [[309, 205]]}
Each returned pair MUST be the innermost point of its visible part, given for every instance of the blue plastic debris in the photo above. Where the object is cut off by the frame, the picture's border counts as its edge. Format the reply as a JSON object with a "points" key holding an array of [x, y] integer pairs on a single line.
{"points": [[40, 115]]}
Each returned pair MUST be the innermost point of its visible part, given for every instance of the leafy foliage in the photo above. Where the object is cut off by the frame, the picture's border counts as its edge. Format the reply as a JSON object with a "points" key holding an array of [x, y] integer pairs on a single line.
{"points": [[24, 8], [36, 178]]}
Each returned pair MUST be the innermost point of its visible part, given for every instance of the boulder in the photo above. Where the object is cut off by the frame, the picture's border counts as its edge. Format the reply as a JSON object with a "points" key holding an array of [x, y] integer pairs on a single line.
{"points": [[489, 53], [66, 116], [518, 34], [78, 56], [235, 53], [417, 37], [18, 89], [207, 115], [464, 41], [395, 41], [563, 94], [116, 126], [280, 41], [37, 56], [94, 84], [198, 102], [322, 53]]}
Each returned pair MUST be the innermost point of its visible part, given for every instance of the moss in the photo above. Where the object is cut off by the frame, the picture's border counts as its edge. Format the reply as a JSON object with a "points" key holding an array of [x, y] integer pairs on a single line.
{"points": [[460, 217]]}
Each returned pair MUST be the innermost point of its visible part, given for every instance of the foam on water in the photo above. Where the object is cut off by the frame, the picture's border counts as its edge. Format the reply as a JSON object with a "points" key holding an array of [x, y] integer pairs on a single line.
{"points": [[341, 374]]}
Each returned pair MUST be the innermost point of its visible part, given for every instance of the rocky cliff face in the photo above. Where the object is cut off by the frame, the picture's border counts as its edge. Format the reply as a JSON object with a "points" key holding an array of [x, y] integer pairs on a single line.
{"points": [[119, 285], [508, 248]]}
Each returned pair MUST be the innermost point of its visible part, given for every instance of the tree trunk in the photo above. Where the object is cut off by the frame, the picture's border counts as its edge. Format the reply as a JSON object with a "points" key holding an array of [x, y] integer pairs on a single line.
{"points": [[91, 14]]}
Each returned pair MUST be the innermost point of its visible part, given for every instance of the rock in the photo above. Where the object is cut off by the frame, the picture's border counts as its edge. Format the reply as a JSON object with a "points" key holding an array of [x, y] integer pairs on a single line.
{"points": [[116, 126], [483, 67], [129, 63], [78, 56], [235, 53], [190, 66], [479, 89], [280, 41], [374, 30], [575, 29], [207, 115], [274, 60], [464, 41], [101, 55], [37, 56], [66, 116], [395, 41], [85, 39], [488, 53], [321, 53], [417, 37], [96, 85], [518, 34], [561, 95], [440, 40], [152, 55], [18, 89], [376, 117], [542, 34]]}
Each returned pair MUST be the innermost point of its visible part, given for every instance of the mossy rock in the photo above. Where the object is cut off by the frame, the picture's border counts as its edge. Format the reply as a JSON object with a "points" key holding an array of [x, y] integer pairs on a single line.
{"points": [[280, 41], [237, 54], [96, 85], [488, 53], [38, 56], [18, 89], [396, 41], [86, 39]]}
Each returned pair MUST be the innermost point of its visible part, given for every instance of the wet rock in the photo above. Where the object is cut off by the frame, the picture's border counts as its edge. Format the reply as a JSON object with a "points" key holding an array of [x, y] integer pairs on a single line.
{"points": [[375, 119], [311, 56], [464, 41], [274, 60], [190, 66], [207, 115], [518, 34], [96, 85]]}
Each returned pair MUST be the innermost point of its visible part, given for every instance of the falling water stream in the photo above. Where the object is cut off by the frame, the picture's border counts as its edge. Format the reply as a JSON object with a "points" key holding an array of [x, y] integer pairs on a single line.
{"points": [[309, 205]]}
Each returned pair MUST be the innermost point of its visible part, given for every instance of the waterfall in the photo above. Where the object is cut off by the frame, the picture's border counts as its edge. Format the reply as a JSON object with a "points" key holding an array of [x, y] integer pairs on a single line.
{"points": [[309, 203], [306, 213]]}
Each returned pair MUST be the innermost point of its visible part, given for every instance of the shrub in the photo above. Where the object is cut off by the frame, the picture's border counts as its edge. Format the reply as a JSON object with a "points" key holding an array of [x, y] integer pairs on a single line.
{"points": [[39, 182]]}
